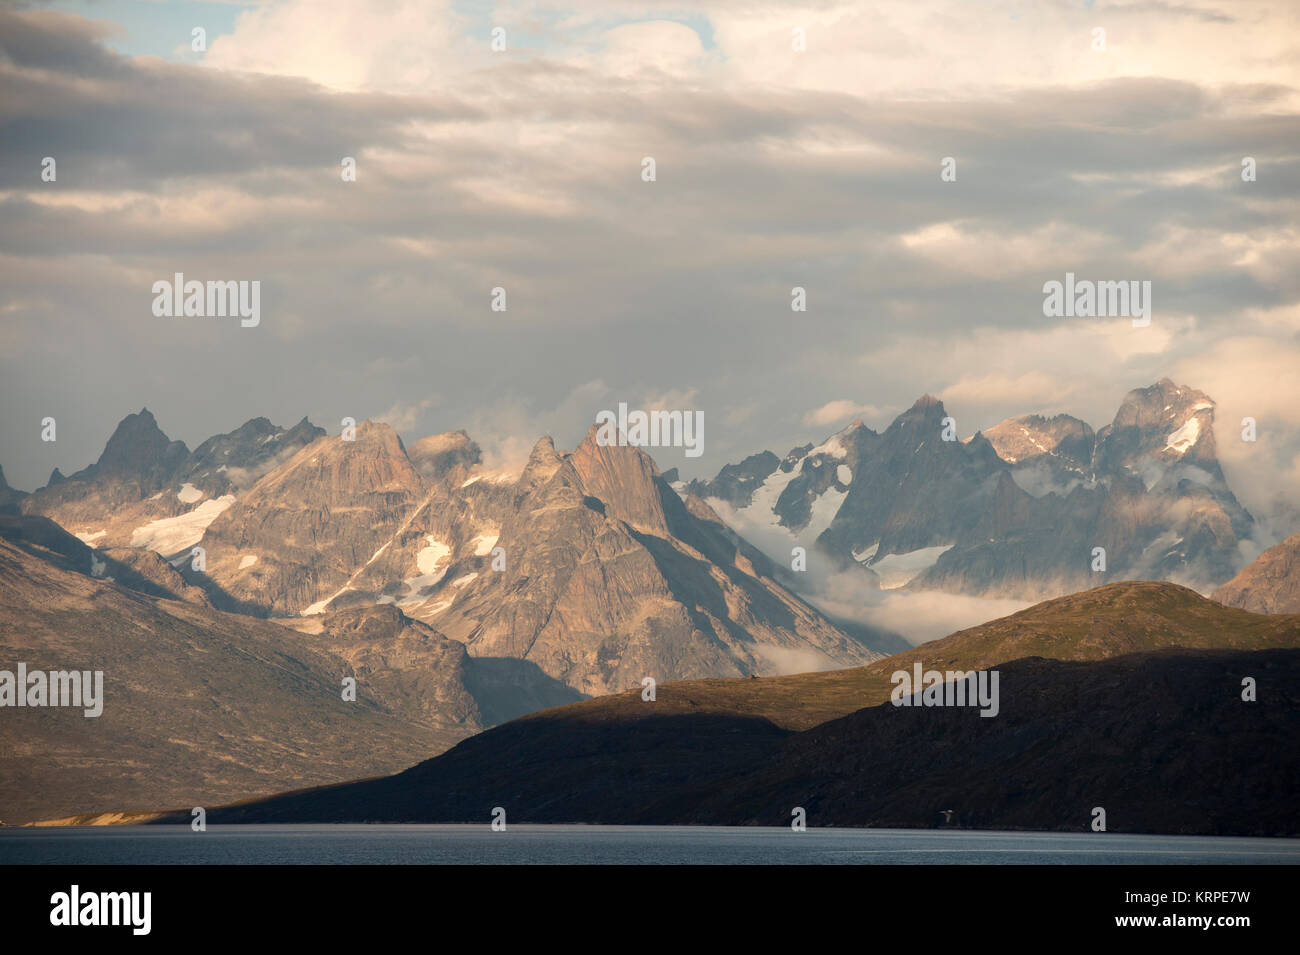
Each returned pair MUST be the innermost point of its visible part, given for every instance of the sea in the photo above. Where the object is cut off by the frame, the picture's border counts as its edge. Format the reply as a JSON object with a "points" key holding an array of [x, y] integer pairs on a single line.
{"points": [[617, 845]]}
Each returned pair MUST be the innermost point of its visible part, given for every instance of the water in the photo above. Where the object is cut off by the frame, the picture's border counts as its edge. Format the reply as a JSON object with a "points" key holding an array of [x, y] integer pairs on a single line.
{"points": [[666, 845]]}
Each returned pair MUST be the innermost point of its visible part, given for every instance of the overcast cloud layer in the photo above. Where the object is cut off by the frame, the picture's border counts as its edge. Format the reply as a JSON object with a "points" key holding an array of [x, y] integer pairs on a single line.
{"points": [[522, 169]]}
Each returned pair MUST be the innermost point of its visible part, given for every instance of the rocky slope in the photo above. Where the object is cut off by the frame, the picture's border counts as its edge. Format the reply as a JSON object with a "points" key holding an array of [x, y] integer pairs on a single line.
{"points": [[1015, 512], [610, 578], [139, 570], [203, 707], [199, 707], [1270, 583]]}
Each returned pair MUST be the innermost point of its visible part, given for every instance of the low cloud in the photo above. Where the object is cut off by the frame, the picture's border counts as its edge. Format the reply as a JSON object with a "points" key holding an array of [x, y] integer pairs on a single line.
{"points": [[839, 412]]}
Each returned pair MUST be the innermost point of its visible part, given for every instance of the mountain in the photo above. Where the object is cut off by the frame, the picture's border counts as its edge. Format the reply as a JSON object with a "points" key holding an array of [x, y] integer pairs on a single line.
{"points": [[202, 707], [11, 499], [1099, 706], [1014, 512], [587, 564], [307, 527], [147, 491], [1270, 583], [1062, 444]]}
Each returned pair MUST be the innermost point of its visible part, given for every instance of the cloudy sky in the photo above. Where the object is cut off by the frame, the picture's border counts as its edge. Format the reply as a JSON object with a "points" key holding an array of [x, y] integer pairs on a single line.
{"points": [[522, 168]]}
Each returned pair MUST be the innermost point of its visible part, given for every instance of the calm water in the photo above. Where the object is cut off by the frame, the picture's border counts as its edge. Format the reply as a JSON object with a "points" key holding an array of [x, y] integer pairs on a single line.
{"points": [[669, 845]]}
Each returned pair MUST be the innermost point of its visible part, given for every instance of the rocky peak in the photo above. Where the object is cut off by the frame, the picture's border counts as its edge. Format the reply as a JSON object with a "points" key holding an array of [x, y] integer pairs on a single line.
{"points": [[926, 410], [139, 448], [10, 498], [736, 483], [1161, 404], [542, 464], [1156, 427], [622, 477], [332, 472], [1067, 440], [237, 459]]}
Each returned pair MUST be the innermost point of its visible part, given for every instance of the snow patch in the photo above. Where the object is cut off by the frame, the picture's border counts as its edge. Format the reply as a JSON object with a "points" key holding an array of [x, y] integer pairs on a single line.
{"points": [[844, 473], [895, 570], [1184, 437], [174, 534], [91, 538], [427, 560], [832, 448], [432, 563], [824, 510], [248, 560], [319, 606], [484, 543]]}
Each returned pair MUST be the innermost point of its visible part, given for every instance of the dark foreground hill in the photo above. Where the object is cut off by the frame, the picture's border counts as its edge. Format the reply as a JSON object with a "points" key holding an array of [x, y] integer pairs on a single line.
{"points": [[1162, 741], [1160, 735]]}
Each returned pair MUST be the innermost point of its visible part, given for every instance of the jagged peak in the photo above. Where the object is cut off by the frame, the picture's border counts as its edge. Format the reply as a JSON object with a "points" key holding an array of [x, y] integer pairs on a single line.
{"points": [[1160, 403], [925, 407], [543, 462], [611, 456], [260, 423], [137, 444], [624, 478]]}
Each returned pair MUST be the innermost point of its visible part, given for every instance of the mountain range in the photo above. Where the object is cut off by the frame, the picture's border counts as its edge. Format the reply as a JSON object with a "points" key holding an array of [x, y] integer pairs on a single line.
{"points": [[587, 563], [226, 593], [1016, 511]]}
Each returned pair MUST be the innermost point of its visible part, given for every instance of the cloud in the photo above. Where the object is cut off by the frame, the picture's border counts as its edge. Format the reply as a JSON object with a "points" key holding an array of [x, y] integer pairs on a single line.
{"points": [[1033, 389], [837, 412], [522, 170], [1254, 376], [403, 417], [508, 428]]}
